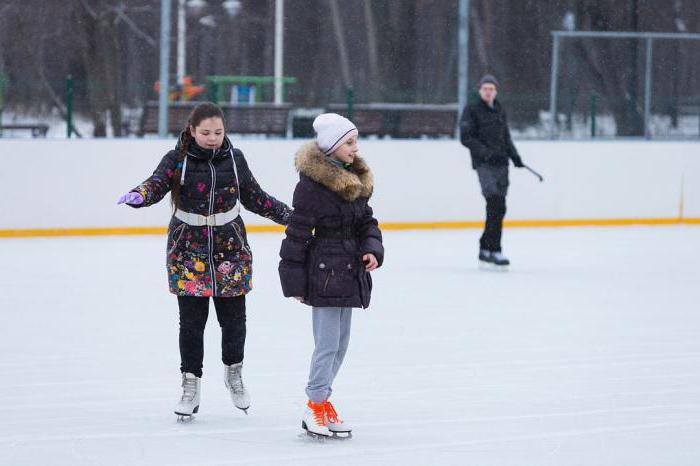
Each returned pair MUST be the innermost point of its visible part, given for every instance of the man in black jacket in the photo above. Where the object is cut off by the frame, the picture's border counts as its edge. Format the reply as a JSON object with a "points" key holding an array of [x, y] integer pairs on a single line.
{"points": [[484, 130]]}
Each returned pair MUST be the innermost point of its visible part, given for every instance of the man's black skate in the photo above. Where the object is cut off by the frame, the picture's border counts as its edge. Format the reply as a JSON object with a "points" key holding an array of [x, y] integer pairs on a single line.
{"points": [[493, 260], [484, 255]]}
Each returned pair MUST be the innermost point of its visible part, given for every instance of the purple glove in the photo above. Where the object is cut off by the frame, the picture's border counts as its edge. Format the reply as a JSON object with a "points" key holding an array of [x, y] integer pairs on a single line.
{"points": [[132, 198]]}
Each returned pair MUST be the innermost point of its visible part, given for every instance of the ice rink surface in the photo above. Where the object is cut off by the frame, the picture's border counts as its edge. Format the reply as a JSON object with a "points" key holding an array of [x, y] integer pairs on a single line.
{"points": [[587, 352]]}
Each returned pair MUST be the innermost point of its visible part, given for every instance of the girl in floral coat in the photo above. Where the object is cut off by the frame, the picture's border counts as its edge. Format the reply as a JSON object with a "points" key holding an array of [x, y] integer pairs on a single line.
{"points": [[207, 251]]}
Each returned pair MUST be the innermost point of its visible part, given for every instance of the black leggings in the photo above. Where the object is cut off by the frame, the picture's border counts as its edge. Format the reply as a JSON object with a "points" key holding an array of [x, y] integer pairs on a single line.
{"points": [[193, 317], [495, 211]]}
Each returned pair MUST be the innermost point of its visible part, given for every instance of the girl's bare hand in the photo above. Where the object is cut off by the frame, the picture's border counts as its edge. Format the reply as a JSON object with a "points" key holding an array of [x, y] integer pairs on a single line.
{"points": [[370, 262]]}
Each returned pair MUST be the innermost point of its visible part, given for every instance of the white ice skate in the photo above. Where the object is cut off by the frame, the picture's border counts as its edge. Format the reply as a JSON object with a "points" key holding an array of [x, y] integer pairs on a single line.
{"points": [[321, 422], [234, 383], [315, 423], [188, 405], [336, 426]]}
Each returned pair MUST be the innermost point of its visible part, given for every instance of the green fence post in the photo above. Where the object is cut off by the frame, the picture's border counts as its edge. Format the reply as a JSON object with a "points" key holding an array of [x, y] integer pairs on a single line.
{"points": [[350, 97], [69, 105], [593, 113], [220, 92], [211, 89]]}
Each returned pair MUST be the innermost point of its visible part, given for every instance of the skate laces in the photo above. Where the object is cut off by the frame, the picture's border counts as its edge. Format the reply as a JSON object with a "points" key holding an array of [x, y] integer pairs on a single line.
{"points": [[234, 378], [319, 410], [331, 413], [189, 387]]}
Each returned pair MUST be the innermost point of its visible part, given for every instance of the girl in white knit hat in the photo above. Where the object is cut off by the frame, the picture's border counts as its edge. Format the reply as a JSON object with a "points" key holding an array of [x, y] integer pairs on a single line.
{"points": [[332, 244]]}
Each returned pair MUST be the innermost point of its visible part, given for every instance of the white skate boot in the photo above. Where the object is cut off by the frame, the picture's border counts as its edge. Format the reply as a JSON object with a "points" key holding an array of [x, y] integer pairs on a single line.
{"points": [[234, 383], [188, 405], [336, 426], [315, 422]]}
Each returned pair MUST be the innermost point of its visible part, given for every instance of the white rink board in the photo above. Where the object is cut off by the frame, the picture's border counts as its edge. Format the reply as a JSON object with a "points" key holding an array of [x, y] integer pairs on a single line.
{"points": [[75, 184]]}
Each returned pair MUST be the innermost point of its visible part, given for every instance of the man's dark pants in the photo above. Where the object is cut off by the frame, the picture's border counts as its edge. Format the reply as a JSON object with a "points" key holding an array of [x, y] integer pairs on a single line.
{"points": [[494, 187]]}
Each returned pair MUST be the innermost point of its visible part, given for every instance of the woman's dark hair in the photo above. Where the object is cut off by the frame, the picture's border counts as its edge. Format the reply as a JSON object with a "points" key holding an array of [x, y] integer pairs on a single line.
{"points": [[201, 112]]}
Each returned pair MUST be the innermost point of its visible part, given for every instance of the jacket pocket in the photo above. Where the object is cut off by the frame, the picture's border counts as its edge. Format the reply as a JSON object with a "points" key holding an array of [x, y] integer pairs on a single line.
{"points": [[334, 276], [175, 237]]}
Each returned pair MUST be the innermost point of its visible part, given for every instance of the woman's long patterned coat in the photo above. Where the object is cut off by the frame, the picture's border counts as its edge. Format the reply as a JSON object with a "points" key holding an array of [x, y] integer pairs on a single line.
{"points": [[210, 260]]}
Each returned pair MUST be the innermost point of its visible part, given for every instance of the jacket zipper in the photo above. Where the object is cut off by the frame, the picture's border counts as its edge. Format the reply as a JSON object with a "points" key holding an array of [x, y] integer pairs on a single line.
{"points": [[328, 277], [211, 229]]}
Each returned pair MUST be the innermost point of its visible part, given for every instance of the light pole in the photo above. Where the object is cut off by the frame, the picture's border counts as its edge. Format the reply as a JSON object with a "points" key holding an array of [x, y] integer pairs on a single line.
{"points": [[232, 7], [164, 67], [279, 51], [463, 79], [196, 7], [181, 34]]}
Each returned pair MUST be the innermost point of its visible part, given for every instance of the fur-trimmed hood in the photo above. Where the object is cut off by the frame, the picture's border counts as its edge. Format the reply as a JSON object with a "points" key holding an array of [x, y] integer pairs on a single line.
{"points": [[348, 184]]}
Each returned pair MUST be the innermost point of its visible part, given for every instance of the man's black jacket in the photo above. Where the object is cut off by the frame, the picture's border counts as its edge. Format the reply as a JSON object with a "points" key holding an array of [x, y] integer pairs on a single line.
{"points": [[484, 130]]}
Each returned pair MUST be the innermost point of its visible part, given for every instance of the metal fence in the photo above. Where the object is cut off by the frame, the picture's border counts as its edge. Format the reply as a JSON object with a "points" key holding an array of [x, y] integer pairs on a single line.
{"points": [[612, 82]]}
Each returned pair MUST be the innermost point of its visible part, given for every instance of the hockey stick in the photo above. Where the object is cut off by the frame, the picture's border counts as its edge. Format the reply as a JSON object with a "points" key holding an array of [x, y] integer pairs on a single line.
{"points": [[534, 173]]}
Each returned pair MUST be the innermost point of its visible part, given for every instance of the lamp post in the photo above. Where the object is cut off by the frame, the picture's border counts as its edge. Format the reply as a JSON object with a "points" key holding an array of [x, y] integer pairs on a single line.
{"points": [[279, 50], [181, 34], [196, 7], [232, 7], [463, 68], [164, 67]]}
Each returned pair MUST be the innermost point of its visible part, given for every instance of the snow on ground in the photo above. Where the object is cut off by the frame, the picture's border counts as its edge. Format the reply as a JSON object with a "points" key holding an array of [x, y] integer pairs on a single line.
{"points": [[585, 353], [661, 126]]}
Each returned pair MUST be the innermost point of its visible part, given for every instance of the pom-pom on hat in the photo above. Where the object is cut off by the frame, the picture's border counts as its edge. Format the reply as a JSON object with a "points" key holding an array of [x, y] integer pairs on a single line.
{"points": [[332, 130]]}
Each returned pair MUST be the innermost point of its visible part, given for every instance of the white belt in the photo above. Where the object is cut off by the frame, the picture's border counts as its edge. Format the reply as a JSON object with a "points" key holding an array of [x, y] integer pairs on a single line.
{"points": [[197, 220]]}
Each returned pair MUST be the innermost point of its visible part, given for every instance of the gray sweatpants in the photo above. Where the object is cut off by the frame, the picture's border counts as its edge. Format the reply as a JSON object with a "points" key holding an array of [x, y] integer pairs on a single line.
{"points": [[493, 180], [331, 337]]}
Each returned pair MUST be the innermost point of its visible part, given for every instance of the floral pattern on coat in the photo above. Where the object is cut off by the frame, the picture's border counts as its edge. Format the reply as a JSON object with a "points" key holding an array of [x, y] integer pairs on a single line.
{"points": [[210, 260]]}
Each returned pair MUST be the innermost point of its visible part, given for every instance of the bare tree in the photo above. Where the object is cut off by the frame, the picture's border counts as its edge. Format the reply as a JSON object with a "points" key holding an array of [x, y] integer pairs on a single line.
{"points": [[390, 50]]}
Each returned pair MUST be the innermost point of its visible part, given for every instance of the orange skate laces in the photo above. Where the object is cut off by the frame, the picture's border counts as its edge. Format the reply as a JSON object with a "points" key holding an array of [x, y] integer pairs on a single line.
{"points": [[319, 410], [330, 413]]}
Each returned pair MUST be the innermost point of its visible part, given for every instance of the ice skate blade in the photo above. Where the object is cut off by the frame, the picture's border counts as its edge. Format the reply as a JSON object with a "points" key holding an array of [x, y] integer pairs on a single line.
{"points": [[491, 267], [245, 410], [347, 435], [185, 417], [322, 438]]}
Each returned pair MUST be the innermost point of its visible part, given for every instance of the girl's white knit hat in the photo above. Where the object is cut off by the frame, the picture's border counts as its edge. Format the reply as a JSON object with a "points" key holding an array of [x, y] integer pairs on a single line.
{"points": [[332, 130]]}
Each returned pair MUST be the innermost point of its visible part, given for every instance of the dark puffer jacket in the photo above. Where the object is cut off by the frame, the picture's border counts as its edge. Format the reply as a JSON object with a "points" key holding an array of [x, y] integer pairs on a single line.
{"points": [[331, 228], [210, 260], [484, 130]]}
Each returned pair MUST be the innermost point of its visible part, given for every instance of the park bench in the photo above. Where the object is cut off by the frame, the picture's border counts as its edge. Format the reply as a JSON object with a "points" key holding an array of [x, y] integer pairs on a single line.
{"points": [[240, 119], [402, 120], [37, 129]]}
